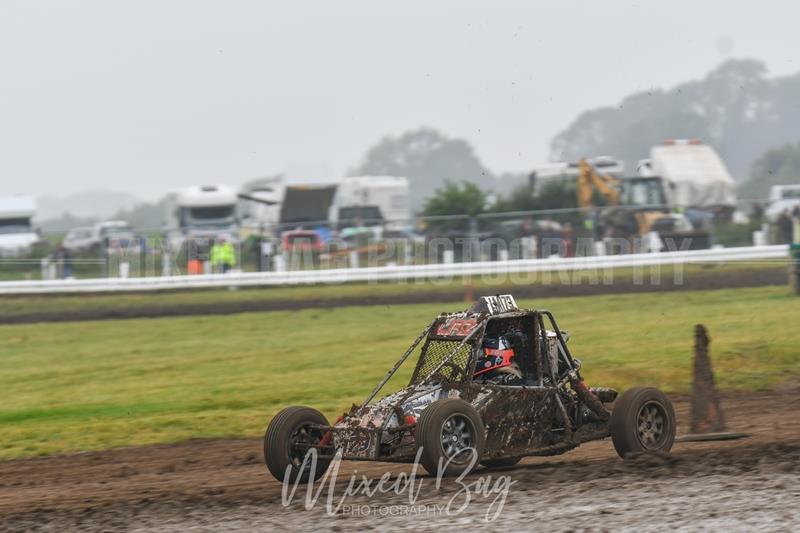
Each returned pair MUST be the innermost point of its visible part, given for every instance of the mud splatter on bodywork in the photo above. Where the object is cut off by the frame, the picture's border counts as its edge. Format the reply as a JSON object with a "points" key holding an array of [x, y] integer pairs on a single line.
{"points": [[552, 412]]}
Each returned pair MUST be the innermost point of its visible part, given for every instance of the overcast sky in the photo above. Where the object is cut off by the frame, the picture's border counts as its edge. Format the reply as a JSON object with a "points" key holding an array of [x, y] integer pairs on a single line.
{"points": [[145, 96]]}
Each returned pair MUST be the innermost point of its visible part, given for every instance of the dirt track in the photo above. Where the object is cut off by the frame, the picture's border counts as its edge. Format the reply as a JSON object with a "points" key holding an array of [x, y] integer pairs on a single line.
{"points": [[692, 281], [745, 484]]}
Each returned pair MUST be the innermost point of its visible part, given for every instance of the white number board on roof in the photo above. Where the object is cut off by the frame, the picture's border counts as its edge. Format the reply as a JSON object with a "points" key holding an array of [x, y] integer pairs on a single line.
{"points": [[500, 303]]}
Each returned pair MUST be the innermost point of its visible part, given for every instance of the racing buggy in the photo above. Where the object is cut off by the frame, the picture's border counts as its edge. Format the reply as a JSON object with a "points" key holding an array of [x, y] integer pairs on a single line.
{"points": [[453, 418]]}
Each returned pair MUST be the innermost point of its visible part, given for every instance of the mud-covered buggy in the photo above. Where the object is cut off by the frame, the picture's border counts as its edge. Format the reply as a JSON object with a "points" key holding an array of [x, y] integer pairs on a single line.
{"points": [[455, 421]]}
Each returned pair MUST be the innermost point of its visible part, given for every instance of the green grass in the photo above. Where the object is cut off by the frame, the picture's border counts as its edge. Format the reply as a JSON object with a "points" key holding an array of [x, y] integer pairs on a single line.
{"points": [[92, 385], [31, 304]]}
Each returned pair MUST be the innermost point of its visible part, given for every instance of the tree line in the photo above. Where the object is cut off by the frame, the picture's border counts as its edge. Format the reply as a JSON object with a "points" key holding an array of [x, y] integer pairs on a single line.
{"points": [[749, 118]]}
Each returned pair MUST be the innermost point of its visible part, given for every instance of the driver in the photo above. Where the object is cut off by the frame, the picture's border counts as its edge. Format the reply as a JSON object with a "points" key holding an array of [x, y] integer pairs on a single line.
{"points": [[496, 365]]}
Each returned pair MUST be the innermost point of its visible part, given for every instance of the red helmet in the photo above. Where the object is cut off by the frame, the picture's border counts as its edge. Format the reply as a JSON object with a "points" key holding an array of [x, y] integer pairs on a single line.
{"points": [[497, 353]]}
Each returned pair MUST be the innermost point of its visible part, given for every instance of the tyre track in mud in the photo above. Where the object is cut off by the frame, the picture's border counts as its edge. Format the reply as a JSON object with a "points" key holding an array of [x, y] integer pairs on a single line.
{"points": [[693, 281], [223, 484]]}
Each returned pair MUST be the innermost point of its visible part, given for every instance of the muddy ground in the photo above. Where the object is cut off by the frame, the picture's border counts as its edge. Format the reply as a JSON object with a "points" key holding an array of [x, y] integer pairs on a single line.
{"points": [[211, 485], [691, 281]]}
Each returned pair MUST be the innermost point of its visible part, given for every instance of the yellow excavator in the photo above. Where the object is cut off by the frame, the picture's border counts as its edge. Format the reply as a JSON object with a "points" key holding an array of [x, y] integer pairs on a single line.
{"points": [[634, 206], [589, 181], [612, 189]]}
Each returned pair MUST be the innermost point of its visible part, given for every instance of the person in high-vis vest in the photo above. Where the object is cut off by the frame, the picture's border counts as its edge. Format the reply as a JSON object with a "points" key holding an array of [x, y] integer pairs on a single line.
{"points": [[223, 256]]}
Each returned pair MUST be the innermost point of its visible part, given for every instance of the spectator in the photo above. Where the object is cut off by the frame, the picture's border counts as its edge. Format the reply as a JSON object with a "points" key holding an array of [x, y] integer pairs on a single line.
{"points": [[266, 252], [568, 234], [796, 220], [785, 227], [223, 256], [62, 259], [757, 213]]}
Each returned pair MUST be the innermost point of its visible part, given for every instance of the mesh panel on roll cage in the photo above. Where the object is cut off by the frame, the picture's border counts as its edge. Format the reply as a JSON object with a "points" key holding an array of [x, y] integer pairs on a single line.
{"points": [[434, 352], [450, 359]]}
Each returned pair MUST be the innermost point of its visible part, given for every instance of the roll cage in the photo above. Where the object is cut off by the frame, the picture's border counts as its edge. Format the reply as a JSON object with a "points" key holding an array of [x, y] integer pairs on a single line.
{"points": [[450, 346]]}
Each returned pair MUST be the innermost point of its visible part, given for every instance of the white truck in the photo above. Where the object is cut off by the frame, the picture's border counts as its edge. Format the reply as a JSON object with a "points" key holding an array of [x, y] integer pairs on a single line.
{"points": [[693, 174], [371, 201], [201, 213], [17, 233]]}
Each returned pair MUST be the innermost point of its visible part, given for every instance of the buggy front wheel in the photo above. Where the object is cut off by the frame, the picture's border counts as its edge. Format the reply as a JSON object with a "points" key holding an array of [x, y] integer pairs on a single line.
{"points": [[451, 435], [289, 437]]}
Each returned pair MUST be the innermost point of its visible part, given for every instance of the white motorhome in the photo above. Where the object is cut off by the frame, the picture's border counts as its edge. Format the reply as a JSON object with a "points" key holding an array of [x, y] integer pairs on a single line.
{"points": [[16, 224], [202, 212], [567, 173], [693, 173], [372, 200]]}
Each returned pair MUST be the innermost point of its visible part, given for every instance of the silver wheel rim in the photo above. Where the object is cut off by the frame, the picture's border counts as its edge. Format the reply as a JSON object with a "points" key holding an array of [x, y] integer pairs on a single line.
{"points": [[651, 425], [457, 437], [298, 446]]}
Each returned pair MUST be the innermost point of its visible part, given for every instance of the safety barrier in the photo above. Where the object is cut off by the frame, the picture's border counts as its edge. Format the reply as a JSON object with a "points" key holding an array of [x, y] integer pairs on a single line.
{"points": [[395, 272]]}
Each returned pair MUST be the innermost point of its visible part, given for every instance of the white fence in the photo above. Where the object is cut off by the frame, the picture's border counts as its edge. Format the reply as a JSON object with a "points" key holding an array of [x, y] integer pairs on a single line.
{"points": [[396, 273]]}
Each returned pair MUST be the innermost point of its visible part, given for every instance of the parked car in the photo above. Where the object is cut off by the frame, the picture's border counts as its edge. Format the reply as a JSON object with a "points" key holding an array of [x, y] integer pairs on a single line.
{"points": [[79, 239], [116, 234], [302, 240], [782, 198], [107, 235]]}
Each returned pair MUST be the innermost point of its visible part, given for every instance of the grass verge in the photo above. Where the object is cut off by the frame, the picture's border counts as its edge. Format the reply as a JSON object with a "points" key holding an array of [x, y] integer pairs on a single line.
{"points": [[92, 385]]}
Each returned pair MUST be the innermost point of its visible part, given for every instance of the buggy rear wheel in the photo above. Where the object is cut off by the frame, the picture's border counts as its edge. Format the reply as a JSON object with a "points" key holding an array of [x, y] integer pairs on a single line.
{"points": [[451, 435], [290, 435], [642, 420]]}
